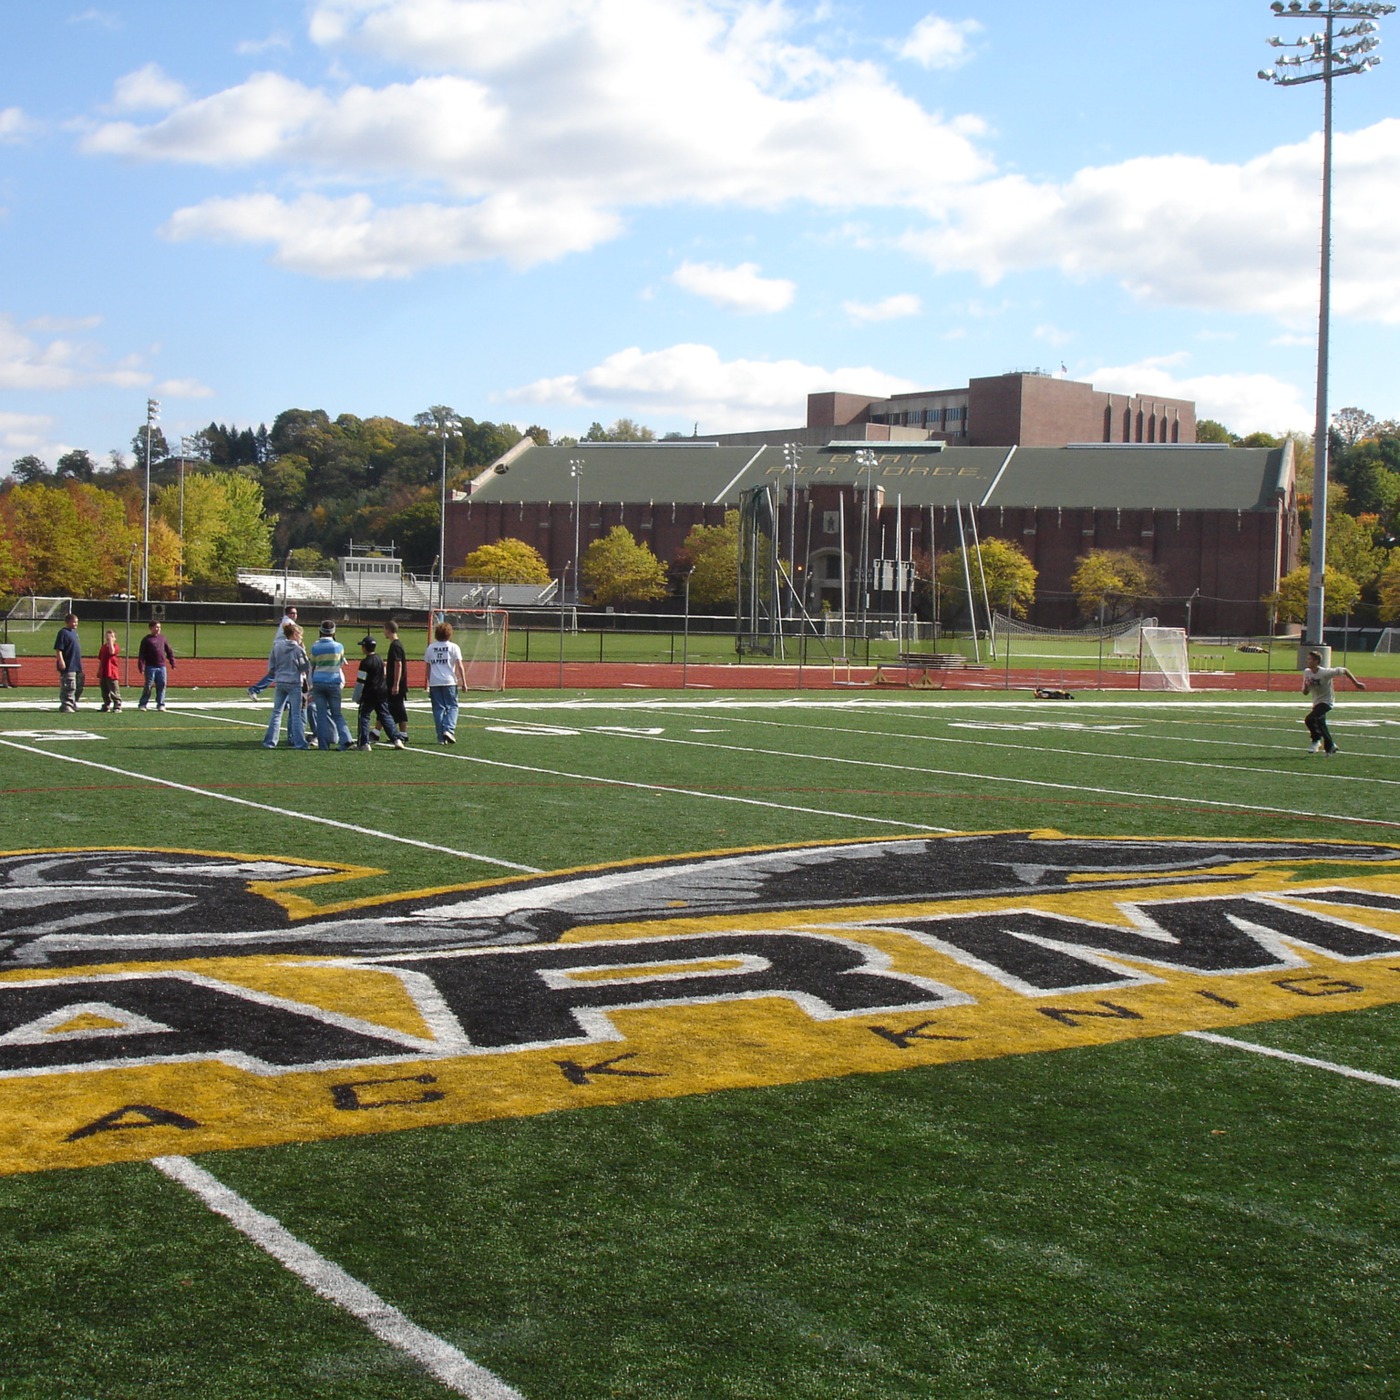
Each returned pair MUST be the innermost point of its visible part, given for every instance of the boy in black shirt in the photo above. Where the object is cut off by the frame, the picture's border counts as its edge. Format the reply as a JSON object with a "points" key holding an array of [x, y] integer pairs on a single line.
{"points": [[373, 691]]}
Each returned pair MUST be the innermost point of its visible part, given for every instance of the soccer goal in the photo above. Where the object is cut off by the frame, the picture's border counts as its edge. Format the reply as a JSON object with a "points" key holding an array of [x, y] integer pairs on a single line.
{"points": [[34, 612], [1164, 664], [482, 634], [1388, 643]]}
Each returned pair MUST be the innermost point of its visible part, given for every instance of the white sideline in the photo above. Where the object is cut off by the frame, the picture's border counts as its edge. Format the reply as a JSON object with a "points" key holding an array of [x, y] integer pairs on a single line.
{"points": [[1269, 1050], [441, 1359]]}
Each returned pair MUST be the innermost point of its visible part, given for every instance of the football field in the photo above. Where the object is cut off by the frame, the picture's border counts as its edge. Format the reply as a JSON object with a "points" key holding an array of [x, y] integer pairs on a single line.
{"points": [[693, 1045]]}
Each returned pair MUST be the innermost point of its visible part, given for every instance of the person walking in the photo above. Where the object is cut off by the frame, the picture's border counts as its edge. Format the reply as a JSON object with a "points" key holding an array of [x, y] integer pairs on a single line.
{"points": [[153, 659], [327, 656], [1318, 681], [445, 670], [372, 691], [68, 655], [396, 676], [288, 664], [108, 676]]}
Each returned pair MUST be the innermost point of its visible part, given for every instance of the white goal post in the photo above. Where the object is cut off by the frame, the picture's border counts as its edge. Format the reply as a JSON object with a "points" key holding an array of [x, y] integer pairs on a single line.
{"points": [[29, 614], [1163, 663], [482, 635], [1388, 643]]}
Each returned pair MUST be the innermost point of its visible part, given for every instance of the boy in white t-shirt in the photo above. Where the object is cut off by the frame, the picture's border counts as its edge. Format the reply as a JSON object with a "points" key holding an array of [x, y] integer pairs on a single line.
{"points": [[1317, 682], [445, 671]]}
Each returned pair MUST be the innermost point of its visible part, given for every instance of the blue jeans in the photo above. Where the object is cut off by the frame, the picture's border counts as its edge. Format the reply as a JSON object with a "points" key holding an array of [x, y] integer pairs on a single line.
{"points": [[444, 702], [330, 723], [286, 697], [155, 680], [386, 720]]}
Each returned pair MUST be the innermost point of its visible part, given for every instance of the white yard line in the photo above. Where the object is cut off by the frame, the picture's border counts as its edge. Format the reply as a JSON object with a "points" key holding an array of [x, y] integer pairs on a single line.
{"points": [[436, 752], [440, 1358], [268, 807], [1269, 1050]]}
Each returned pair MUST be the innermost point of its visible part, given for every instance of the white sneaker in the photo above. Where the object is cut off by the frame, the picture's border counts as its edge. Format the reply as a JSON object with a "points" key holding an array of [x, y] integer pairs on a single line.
{"points": [[1315, 746], [252, 692], [449, 738], [398, 743], [1332, 753]]}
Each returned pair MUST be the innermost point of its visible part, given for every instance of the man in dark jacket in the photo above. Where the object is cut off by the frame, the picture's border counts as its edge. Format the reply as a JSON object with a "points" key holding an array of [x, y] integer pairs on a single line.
{"points": [[152, 658]]}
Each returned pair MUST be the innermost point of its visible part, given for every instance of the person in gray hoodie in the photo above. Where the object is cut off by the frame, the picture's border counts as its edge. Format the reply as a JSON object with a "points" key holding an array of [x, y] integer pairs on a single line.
{"points": [[288, 665]]}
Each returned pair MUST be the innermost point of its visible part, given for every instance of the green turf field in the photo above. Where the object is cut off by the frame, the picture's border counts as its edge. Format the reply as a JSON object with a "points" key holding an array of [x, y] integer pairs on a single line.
{"points": [[684, 1047]]}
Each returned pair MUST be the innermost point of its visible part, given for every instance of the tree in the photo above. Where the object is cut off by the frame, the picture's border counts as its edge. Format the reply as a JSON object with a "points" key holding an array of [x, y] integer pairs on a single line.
{"points": [[1208, 430], [1350, 425], [159, 451], [623, 430], [712, 554], [225, 528], [1112, 583], [76, 465], [1351, 546], [29, 468], [616, 569], [1389, 590], [1290, 600], [1009, 573], [506, 561]]}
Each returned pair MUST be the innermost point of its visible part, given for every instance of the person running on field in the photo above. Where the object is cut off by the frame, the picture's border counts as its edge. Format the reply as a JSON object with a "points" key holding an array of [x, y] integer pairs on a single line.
{"points": [[1317, 682], [68, 655], [445, 670], [396, 675], [288, 664], [108, 676], [372, 688], [327, 680], [153, 657]]}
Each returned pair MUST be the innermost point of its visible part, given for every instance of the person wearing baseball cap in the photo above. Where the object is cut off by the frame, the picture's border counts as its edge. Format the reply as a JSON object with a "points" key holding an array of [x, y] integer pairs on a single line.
{"points": [[372, 691]]}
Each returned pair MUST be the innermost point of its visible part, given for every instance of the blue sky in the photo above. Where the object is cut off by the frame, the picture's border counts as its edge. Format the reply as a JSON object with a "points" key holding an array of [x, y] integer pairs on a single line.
{"points": [[685, 212]]}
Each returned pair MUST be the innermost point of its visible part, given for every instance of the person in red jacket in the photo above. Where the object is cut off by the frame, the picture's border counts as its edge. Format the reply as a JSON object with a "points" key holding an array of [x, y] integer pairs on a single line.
{"points": [[107, 676]]}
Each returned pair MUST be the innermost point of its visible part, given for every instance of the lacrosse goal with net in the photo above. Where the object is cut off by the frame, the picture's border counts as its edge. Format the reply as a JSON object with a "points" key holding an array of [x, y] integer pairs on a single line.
{"points": [[30, 614], [1164, 664], [482, 634]]}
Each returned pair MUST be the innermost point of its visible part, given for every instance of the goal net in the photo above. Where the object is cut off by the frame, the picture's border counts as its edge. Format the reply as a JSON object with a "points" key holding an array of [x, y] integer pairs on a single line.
{"points": [[34, 612], [1164, 664], [481, 633], [1388, 643], [1129, 641]]}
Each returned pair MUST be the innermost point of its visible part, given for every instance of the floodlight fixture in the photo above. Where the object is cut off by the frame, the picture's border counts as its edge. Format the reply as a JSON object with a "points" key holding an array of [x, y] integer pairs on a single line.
{"points": [[152, 413], [1320, 57]]}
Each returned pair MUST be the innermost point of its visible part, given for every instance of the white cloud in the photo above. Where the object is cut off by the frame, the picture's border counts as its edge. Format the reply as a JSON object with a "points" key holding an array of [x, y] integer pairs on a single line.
{"points": [[252, 47], [1052, 335], [23, 433], [1183, 231], [35, 357], [735, 288], [183, 389], [352, 238], [15, 126], [891, 308], [691, 383], [576, 110], [940, 43], [148, 89], [1244, 403]]}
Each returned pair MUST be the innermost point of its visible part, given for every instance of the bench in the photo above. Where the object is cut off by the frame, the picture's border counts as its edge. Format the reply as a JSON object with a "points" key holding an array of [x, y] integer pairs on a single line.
{"points": [[923, 670], [9, 666]]}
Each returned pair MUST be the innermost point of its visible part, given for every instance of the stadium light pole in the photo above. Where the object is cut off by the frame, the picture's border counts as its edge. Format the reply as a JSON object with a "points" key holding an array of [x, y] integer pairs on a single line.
{"points": [[576, 471], [448, 426], [1332, 53], [152, 413], [792, 460], [866, 460]]}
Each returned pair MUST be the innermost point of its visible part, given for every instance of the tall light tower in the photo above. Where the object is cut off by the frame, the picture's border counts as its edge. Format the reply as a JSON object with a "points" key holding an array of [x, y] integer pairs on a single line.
{"points": [[152, 413], [576, 471], [1331, 53], [792, 460], [449, 425]]}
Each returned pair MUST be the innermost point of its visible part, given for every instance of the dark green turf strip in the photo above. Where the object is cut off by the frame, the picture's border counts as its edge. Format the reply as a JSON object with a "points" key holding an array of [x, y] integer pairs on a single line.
{"points": [[1153, 1218]]}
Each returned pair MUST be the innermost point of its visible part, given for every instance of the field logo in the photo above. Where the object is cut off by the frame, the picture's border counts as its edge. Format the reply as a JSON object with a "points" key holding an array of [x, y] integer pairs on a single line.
{"points": [[159, 1001]]}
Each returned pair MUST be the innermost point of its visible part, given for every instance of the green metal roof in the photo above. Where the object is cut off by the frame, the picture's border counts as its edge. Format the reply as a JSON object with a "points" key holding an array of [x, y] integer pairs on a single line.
{"points": [[1107, 476]]}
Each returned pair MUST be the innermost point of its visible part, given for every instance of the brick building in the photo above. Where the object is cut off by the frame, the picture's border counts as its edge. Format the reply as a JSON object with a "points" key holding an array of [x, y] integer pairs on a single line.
{"points": [[1026, 409]]}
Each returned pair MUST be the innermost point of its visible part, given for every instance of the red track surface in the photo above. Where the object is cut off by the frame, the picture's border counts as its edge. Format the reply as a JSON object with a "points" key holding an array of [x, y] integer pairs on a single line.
{"points": [[608, 675]]}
